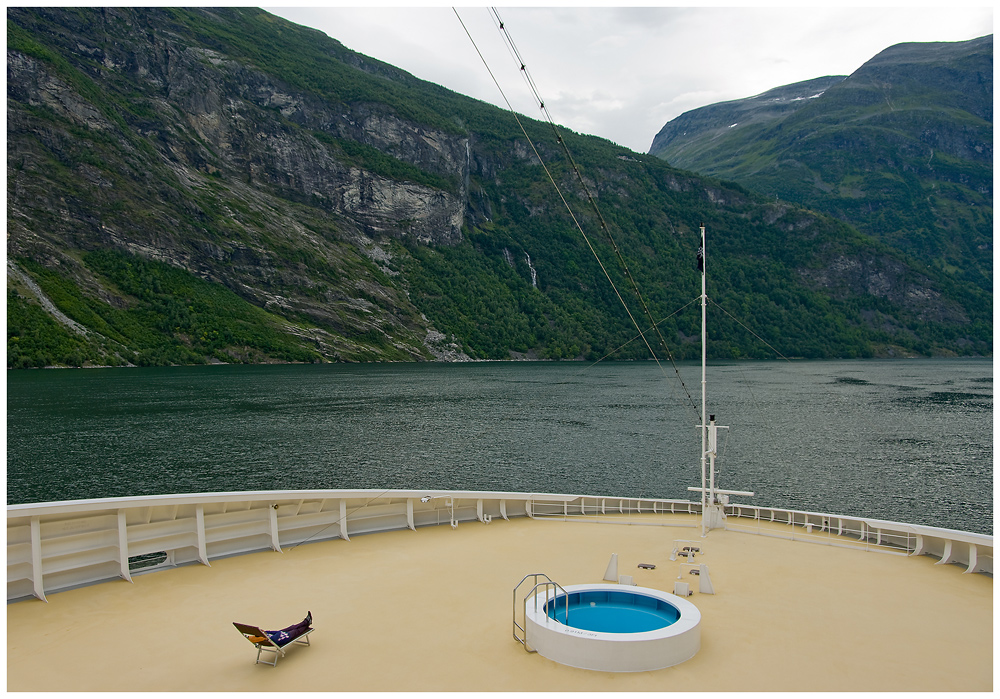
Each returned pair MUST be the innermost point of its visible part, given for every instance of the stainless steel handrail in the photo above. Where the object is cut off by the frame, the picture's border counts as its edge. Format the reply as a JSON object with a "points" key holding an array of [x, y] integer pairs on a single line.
{"points": [[556, 587]]}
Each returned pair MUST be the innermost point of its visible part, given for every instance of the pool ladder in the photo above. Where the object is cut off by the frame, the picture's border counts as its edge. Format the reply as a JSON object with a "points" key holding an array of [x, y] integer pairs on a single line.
{"points": [[545, 585]]}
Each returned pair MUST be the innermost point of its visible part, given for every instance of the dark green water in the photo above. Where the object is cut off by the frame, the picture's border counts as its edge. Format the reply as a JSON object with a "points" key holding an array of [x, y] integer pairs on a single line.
{"points": [[908, 440]]}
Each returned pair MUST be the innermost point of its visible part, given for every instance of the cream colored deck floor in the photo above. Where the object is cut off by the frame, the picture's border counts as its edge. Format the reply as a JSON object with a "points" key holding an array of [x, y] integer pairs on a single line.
{"points": [[431, 611]]}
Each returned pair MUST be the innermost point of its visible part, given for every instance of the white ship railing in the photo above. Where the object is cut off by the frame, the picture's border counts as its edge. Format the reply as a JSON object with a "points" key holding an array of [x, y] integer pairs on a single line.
{"points": [[975, 551], [60, 545], [577, 506]]}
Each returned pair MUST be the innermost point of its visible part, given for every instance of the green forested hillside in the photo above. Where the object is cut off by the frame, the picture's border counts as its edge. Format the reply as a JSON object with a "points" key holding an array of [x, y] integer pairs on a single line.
{"points": [[902, 149], [201, 185]]}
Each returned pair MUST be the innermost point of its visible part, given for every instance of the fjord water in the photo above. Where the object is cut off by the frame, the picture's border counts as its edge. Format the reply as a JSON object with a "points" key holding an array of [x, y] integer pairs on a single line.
{"points": [[906, 440]]}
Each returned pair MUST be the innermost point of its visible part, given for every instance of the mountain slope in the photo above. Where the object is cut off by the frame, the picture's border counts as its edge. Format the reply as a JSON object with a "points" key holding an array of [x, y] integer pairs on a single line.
{"points": [[902, 149], [223, 185]]}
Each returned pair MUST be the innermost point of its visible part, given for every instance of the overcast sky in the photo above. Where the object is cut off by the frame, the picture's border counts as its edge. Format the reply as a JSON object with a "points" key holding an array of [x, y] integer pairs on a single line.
{"points": [[622, 73]]}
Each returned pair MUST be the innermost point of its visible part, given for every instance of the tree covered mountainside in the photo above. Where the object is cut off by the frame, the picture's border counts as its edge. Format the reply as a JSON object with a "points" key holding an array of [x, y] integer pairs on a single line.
{"points": [[902, 149], [221, 185]]}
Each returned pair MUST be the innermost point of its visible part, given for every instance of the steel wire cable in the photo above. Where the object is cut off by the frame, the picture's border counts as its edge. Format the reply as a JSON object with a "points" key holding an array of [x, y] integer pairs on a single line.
{"points": [[512, 49]]}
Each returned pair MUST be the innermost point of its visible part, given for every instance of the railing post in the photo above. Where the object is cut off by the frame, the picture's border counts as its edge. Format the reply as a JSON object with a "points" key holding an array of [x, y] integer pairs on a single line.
{"points": [[946, 558], [199, 525], [123, 547], [272, 516], [343, 520], [973, 559], [38, 587]]}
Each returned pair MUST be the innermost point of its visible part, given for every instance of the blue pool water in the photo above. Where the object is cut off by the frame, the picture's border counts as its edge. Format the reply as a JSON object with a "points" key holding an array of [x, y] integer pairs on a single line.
{"points": [[613, 612]]}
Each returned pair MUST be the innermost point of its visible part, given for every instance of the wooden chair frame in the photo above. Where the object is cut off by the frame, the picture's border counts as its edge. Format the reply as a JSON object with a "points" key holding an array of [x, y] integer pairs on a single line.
{"points": [[252, 633]]}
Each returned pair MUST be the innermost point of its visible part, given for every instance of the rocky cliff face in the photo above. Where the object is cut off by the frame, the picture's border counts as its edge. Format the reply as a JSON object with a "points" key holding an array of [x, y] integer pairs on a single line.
{"points": [[212, 147], [208, 114], [326, 206]]}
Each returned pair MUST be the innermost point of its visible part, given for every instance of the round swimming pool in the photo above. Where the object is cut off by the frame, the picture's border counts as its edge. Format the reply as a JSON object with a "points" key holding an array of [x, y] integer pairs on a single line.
{"points": [[612, 611], [613, 628]]}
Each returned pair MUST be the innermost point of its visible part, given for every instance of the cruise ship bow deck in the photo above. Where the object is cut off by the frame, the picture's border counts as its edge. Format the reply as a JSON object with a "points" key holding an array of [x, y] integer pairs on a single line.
{"points": [[801, 603]]}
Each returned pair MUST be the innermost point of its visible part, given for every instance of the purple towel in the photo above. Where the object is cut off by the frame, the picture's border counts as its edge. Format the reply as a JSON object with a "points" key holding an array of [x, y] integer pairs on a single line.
{"points": [[283, 637]]}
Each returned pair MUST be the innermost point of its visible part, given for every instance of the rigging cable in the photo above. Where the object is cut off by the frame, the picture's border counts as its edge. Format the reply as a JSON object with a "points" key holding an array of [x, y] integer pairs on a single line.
{"points": [[633, 338], [552, 180], [746, 380], [512, 48], [742, 325], [593, 202]]}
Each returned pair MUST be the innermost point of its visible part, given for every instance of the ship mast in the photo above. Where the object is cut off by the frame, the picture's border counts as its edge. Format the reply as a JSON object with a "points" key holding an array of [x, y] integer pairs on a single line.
{"points": [[704, 387], [713, 514]]}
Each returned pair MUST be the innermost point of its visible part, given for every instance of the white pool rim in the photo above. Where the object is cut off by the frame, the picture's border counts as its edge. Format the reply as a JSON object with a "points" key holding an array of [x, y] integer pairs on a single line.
{"points": [[613, 652]]}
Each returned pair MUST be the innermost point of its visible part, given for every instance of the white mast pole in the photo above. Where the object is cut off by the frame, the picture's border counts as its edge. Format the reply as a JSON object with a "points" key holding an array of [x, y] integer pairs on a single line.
{"points": [[712, 500], [704, 413]]}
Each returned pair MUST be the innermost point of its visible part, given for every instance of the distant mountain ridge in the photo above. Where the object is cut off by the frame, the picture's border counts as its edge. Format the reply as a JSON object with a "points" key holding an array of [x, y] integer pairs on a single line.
{"points": [[221, 185], [685, 136], [902, 149]]}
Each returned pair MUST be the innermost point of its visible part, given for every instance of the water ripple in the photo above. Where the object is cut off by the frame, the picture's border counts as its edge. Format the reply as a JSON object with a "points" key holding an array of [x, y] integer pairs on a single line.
{"points": [[909, 440]]}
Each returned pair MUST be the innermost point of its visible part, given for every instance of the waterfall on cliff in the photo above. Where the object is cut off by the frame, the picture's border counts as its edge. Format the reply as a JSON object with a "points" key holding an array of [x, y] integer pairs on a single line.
{"points": [[531, 267]]}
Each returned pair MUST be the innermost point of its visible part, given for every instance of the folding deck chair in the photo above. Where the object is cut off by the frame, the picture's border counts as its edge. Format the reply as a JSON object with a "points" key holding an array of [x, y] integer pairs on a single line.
{"points": [[276, 641]]}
